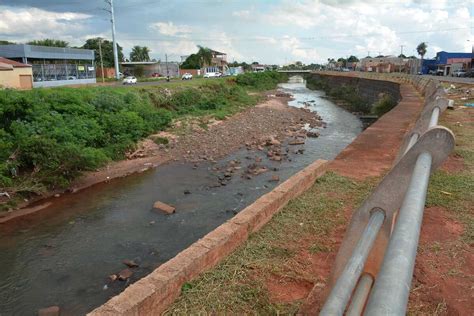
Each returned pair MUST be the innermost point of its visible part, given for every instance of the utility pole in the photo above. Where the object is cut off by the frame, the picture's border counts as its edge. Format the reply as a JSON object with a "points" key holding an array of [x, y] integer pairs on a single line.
{"points": [[112, 20], [101, 60], [401, 49], [167, 70]]}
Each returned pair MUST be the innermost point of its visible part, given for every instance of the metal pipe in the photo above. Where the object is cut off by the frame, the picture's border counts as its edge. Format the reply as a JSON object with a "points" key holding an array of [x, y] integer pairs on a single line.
{"points": [[392, 286], [412, 142], [434, 117], [341, 292], [360, 295]]}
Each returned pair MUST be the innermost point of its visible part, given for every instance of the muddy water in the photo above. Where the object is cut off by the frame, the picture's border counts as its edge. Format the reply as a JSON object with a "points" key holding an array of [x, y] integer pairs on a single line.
{"points": [[63, 256]]}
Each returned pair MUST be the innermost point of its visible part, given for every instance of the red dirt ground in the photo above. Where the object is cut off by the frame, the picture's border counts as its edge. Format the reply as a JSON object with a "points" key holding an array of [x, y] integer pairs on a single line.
{"points": [[444, 271]]}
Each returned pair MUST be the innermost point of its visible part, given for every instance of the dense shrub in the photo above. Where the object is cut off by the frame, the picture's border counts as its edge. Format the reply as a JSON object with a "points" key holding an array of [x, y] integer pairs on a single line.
{"points": [[261, 80], [383, 105], [54, 134]]}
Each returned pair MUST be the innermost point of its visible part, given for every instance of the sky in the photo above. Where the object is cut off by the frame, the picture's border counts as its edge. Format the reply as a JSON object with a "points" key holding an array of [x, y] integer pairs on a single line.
{"points": [[266, 31]]}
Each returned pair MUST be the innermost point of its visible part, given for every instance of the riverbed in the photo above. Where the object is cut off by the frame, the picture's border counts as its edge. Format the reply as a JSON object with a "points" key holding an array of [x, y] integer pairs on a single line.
{"points": [[64, 255]]}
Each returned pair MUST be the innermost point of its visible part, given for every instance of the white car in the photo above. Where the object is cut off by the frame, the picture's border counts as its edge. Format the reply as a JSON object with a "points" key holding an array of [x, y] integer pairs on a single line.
{"points": [[211, 74], [187, 76], [130, 80]]}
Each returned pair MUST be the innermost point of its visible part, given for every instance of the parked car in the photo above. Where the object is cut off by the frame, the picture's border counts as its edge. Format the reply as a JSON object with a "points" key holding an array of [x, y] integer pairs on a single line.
{"points": [[469, 73], [187, 76], [155, 75], [130, 80], [210, 74], [218, 74], [458, 73]]}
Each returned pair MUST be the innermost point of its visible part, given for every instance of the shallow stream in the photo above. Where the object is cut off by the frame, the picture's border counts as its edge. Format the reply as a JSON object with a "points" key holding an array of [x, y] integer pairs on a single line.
{"points": [[64, 254]]}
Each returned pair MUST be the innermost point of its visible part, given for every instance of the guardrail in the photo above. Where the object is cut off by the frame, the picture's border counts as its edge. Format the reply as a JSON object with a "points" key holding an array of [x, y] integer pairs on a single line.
{"points": [[374, 265]]}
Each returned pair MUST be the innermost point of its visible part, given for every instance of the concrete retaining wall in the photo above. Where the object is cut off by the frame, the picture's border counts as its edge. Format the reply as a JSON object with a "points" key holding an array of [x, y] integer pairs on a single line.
{"points": [[152, 294], [369, 89]]}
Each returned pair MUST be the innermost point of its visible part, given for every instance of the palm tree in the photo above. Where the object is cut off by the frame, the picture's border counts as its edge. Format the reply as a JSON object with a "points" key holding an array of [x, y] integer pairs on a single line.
{"points": [[140, 53], [205, 55], [421, 49]]}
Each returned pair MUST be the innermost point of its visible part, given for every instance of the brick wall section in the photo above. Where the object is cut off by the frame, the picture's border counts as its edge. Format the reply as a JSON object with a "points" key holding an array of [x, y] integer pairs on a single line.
{"points": [[152, 294]]}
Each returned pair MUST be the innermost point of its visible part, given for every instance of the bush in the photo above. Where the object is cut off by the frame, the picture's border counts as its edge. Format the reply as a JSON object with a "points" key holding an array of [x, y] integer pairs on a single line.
{"points": [[261, 80], [55, 134], [383, 105]]}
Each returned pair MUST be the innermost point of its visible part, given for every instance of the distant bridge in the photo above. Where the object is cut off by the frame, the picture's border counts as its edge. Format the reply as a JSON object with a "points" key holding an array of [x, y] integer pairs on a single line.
{"points": [[296, 71]]}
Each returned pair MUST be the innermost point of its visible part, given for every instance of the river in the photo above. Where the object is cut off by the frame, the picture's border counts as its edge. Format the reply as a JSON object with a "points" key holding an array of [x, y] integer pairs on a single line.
{"points": [[64, 255]]}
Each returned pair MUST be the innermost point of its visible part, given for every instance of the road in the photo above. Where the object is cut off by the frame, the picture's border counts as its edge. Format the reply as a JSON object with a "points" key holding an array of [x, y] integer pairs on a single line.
{"points": [[451, 79]]}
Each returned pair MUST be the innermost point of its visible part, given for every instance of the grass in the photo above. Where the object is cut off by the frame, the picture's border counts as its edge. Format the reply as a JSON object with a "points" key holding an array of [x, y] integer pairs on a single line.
{"points": [[238, 284], [453, 190]]}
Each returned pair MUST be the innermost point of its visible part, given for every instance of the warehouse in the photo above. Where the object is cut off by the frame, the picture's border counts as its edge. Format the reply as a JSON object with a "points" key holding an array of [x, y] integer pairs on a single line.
{"points": [[54, 66]]}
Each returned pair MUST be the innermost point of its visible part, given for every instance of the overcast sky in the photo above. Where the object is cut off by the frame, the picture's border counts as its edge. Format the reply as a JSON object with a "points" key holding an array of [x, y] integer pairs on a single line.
{"points": [[278, 31]]}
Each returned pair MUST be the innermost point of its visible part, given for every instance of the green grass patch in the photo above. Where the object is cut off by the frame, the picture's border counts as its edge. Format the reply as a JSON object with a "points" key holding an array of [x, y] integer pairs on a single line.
{"points": [[237, 285]]}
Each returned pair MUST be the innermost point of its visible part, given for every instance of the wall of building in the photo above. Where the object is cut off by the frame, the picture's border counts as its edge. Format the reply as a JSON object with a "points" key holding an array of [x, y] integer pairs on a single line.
{"points": [[57, 83], [11, 78]]}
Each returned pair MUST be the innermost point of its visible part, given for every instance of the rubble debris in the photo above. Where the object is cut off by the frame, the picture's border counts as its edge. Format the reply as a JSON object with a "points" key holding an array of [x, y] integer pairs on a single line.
{"points": [[163, 207], [125, 274], [49, 311], [130, 263]]}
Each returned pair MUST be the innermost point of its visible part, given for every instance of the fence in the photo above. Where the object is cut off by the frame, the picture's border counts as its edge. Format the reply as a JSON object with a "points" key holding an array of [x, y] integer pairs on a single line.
{"points": [[374, 265]]}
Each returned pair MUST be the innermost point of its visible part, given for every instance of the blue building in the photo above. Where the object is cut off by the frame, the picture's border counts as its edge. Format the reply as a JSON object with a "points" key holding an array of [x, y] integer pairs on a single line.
{"points": [[448, 62]]}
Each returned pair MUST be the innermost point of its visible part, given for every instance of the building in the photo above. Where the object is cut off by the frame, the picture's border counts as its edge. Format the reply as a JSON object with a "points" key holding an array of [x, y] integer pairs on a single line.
{"points": [[15, 75], [54, 66], [218, 63], [385, 64], [446, 63], [150, 68]]}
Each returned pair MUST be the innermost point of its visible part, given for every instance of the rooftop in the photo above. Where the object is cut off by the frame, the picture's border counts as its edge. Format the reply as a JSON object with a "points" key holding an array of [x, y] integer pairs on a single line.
{"points": [[45, 52], [8, 64]]}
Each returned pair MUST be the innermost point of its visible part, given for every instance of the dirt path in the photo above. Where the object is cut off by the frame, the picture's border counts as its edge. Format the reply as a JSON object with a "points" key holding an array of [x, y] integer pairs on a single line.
{"points": [[197, 140]]}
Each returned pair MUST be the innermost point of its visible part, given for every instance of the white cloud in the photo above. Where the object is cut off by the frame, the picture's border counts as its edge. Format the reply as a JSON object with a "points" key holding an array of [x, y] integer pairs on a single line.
{"points": [[31, 23], [169, 29], [244, 14]]}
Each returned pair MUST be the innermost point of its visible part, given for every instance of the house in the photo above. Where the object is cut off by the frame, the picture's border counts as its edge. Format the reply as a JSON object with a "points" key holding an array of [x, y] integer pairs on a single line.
{"points": [[218, 63], [258, 67], [150, 68], [14, 74], [54, 66], [384, 64], [448, 62]]}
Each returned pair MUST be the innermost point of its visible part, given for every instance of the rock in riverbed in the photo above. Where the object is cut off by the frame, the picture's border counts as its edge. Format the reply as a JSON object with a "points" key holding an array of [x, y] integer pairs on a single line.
{"points": [[49, 311], [163, 207], [130, 263], [125, 274]]}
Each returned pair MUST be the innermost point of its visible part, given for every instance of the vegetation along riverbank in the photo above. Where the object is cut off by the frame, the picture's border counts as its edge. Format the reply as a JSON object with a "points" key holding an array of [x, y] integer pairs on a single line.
{"points": [[49, 137]]}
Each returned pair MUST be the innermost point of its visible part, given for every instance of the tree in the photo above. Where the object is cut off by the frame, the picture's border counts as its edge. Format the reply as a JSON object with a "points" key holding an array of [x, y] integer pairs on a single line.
{"points": [[421, 49], [140, 53], [201, 59], [2, 42], [107, 51], [353, 59], [49, 42], [402, 56], [205, 56]]}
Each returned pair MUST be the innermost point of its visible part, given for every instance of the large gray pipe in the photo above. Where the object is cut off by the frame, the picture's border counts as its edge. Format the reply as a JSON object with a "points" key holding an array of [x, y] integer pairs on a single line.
{"points": [[392, 285], [342, 290]]}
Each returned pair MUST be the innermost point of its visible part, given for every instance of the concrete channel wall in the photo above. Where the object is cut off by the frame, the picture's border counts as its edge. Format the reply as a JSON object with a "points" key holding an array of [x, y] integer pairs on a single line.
{"points": [[369, 89], [153, 294]]}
